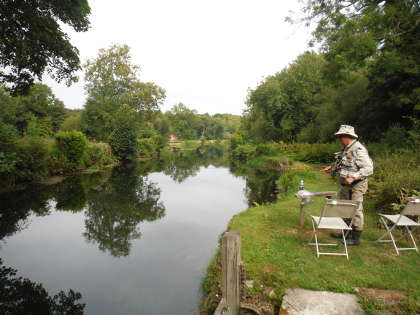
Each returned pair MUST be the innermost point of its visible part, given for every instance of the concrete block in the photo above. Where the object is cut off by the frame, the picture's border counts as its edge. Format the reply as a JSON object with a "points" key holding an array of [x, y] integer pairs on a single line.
{"points": [[307, 302]]}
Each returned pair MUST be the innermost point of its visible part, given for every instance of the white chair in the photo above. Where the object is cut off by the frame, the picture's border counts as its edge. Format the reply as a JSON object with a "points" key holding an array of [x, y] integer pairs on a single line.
{"points": [[401, 220], [332, 219]]}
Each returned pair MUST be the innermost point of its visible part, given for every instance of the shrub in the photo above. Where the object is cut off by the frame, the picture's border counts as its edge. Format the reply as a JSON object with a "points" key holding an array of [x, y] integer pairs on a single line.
{"points": [[72, 145], [8, 137], [289, 181], [146, 147], [243, 152], [235, 141], [123, 143], [266, 149], [99, 154], [315, 153], [395, 178], [160, 141], [33, 158], [396, 137]]}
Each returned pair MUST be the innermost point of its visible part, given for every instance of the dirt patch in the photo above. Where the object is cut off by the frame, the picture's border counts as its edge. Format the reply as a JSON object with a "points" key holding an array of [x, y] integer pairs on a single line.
{"points": [[391, 301], [386, 296]]}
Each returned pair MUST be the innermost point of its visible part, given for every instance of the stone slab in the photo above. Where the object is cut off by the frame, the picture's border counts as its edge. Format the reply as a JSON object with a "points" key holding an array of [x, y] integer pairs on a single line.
{"points": [[307, 302]]}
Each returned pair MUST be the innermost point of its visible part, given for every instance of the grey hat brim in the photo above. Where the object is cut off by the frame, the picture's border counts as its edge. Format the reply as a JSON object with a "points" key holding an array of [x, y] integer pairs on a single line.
{"points": [[346, 134]]}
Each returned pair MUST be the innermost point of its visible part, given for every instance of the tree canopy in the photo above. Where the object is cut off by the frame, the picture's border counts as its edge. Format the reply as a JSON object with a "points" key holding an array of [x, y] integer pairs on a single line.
{"points": [[112, 81], [32, 41], [366, 74]]}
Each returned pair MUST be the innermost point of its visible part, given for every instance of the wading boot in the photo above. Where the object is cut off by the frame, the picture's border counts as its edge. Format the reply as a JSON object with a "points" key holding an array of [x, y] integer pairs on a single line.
{"points": [[339, 235], [355, 240]]}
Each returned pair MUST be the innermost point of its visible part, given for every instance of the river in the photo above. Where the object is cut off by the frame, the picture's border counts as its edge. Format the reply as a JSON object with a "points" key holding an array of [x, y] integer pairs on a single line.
{"points": [[132, 240]]}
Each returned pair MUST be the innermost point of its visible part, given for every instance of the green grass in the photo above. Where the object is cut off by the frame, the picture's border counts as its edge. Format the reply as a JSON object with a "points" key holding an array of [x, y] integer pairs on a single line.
{"points": [[276, 254]]}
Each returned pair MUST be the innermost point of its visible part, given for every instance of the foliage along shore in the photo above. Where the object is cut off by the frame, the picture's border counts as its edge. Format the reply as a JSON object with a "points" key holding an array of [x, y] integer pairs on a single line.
{"points": [[276, 256], [121, 121]]}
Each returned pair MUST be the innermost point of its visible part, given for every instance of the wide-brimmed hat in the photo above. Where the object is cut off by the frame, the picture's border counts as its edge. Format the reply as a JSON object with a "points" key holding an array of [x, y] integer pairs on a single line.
{"points": [[346, 130]]}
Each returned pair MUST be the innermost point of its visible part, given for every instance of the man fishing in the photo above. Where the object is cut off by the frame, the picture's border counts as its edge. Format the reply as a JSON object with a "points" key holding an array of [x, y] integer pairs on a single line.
{"points": [[353, 166]]}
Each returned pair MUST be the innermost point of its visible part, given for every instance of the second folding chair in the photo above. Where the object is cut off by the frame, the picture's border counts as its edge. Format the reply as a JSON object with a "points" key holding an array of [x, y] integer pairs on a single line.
{"points": [[401, 220], [332, 218]]}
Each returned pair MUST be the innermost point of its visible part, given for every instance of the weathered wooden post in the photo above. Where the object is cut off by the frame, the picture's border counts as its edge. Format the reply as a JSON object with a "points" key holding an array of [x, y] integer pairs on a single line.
{"points": [[231, 260]]}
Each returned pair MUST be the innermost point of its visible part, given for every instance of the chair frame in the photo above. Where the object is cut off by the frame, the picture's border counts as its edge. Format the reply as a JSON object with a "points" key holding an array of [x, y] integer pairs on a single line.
{"points": [[389, 230], [315, 227]]}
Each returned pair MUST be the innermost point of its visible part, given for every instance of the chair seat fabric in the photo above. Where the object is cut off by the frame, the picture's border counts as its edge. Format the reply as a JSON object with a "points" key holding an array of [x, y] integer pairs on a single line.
{"points": [[330, 223], [404, 221]]}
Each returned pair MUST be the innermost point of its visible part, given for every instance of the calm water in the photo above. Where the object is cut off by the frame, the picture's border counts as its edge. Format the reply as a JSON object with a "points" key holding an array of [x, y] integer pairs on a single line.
{"points": [[132, 240]]}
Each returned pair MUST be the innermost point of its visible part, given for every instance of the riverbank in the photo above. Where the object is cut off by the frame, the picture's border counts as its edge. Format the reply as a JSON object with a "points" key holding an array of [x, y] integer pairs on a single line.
{"points": [[276, 254]]}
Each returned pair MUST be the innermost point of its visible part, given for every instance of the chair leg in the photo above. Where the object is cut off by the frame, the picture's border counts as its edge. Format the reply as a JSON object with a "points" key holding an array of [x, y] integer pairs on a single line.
{"points": [[316, 239], [345, 243], [412, 238], [388, 231]]}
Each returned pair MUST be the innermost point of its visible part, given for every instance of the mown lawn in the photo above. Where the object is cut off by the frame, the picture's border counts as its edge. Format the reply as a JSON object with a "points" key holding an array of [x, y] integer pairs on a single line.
{"points": [[276, 254]]}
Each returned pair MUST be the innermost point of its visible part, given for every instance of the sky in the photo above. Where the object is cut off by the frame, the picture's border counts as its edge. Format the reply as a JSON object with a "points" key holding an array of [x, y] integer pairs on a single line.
{"points": [[205, 54]]}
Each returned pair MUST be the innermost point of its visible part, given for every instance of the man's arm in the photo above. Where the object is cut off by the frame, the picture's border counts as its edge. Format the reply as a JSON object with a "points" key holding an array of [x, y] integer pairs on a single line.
{"points": [[365, 164]]}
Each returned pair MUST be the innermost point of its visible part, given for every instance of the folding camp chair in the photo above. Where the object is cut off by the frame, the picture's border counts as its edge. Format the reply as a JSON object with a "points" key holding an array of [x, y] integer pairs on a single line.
{"points": [[400, 220], [332, 218]]}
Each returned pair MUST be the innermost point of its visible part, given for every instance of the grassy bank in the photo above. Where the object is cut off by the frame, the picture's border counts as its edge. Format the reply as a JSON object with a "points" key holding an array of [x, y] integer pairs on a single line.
{"points": [[276, 254]]}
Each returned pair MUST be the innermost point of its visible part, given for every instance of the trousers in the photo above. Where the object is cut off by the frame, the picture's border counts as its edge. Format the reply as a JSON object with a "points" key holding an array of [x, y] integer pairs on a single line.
{"points": [[355, 192]]}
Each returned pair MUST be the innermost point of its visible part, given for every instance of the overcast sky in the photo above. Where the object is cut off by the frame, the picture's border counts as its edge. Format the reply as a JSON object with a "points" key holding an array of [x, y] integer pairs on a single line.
{"points": [[206, 54]]}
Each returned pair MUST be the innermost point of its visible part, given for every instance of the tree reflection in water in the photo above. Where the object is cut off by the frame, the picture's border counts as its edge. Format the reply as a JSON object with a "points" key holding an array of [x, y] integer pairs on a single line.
{"points": [[16, 207], [261, 184], [115, 210], [22, 296]]}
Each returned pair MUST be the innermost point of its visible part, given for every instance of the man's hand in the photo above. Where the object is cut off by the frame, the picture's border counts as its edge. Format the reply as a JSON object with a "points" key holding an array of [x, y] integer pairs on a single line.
{"points": [[327, 169], [349, 180]]}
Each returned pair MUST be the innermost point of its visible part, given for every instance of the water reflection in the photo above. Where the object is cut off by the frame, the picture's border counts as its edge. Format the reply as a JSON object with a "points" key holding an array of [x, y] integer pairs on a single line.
{"points": [[22, 296], [16, 207], [117, 201], [115, 210], [261, 184]]}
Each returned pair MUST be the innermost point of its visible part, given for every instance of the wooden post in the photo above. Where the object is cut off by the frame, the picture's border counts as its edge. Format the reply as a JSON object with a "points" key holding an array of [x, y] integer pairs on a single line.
{"points": [[231, 259]]}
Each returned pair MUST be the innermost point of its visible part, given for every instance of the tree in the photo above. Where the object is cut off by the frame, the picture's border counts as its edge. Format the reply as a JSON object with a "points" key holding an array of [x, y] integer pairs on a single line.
{"points": [[32, 41], [184, 121], [38, 107], [112, 80], [380, 38], [283, 104], [123, 139]]}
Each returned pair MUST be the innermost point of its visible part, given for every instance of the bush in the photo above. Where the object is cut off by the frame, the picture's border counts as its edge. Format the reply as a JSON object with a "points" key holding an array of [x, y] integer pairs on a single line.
{"points": [[235, 141], [98, 154], [243, 152], [266, 149], [313, 153], [123, 143], [32, 158], [146, 147], [396, 177], [72, 145], [396, 138], [289, 181], [160, 141]]}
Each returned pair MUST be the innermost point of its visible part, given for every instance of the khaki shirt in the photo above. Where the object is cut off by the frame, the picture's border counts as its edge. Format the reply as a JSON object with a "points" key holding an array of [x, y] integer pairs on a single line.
{"points": [[355, 162]]}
